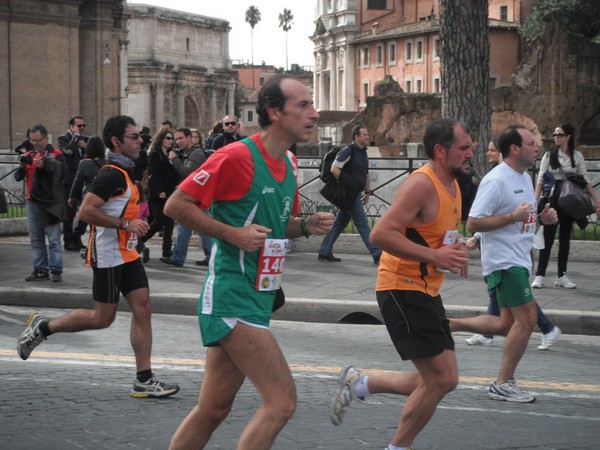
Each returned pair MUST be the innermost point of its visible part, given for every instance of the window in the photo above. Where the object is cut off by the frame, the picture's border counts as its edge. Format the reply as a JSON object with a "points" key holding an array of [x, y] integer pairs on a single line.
{"points": [[377, 4], [392, 54], [436, 85], [419, 85], [261, 81], [250, 116], [493, 82], [504, 13], [379, 55], [365, 57], [408, 85], [436, 48], [408, 52], [187, 44], [366, 87], [419, 50]]}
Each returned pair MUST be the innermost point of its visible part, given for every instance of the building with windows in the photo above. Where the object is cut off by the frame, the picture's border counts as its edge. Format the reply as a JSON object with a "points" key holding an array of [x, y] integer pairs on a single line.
{"points": [[178, 68], [359, 42]]}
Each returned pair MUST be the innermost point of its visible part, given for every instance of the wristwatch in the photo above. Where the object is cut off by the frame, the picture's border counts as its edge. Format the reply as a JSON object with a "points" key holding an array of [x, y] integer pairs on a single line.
{"points": [[463, 240], [124, 224]]}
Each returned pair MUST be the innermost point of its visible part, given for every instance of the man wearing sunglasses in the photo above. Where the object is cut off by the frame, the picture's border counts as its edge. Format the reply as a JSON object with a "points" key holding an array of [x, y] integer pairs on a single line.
{"points": [[73, 144], [229, 133], [112, 207]]}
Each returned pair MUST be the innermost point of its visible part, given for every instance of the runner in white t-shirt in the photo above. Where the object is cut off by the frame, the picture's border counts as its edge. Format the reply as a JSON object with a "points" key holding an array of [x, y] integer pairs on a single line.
{"points": [[504, 212]]}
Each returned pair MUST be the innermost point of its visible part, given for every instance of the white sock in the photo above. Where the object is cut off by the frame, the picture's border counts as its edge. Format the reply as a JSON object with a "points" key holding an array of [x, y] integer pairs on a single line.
{"points": [[360, 388], [393, 447]]}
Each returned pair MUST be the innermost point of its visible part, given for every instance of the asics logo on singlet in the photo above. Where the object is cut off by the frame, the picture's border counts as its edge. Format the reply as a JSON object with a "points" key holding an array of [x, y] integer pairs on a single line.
{"points": [[201, 177], [268, 190]]}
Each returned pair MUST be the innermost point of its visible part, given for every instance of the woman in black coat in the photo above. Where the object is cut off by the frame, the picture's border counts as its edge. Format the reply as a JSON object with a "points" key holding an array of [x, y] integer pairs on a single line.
{"points": [[162, 183]]}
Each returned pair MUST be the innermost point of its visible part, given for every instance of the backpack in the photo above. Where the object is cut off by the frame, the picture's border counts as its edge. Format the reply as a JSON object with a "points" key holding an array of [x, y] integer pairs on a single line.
{"points": [[208, 152], [209, 140], [326, 161]]}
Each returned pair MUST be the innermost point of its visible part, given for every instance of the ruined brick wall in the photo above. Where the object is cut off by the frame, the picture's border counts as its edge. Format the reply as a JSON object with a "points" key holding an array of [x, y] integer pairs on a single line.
{"points": [[557, 81]]}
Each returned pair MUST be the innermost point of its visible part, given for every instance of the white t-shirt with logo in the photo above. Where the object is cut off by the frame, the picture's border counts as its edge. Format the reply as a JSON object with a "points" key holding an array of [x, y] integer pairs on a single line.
{"points": [[499, 193]]}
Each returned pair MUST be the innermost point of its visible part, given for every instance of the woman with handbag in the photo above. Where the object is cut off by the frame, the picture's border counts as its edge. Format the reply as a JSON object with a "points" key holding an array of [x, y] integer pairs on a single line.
{"points": [[561, 161]]}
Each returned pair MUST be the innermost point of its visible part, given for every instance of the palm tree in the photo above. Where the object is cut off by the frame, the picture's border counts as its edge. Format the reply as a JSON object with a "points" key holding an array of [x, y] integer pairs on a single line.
{"points": [[285, 21], [252, 18]]}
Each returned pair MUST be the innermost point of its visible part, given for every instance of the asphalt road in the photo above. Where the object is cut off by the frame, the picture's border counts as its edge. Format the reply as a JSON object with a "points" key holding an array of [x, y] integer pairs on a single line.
{"points": [[73, 391]]}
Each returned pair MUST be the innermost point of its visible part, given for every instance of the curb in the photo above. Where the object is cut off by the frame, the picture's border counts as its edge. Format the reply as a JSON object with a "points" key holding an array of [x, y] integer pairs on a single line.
{"points": [[295, 309]]}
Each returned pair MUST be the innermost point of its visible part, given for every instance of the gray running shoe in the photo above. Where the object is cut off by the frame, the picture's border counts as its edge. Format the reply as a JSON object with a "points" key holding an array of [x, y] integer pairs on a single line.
{"points": [[510, 392], [344, 395], [153, 388], [31, 337]]}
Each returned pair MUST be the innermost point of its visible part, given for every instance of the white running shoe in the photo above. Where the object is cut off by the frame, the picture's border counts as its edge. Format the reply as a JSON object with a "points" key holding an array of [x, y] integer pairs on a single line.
{"points": [[510, 392], [344, 395], [153, 388], [538, 283], [564, 282], [480, 339], [549, 339]]}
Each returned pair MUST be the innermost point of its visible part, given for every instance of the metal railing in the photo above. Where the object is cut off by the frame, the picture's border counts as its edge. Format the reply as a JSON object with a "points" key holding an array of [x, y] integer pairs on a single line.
{"points": [[386, 174]]}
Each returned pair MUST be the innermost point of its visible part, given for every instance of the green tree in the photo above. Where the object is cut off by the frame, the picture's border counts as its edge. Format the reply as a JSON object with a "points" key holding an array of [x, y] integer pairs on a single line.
{"points": [[252, 18], [578, 16], [465, 67], [286, 20]]}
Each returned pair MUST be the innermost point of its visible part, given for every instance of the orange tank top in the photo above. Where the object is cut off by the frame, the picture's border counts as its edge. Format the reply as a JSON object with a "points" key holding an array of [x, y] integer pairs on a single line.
{"points": [[409, 275]]}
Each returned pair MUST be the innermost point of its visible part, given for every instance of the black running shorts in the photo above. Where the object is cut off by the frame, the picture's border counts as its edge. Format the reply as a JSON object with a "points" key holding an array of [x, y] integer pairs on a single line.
{"points": [[416, 323], [110, 281]]}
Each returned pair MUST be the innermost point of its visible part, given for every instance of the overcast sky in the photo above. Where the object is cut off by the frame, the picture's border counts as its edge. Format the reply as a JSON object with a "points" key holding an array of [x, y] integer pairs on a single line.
{"points": [[269, 38]]}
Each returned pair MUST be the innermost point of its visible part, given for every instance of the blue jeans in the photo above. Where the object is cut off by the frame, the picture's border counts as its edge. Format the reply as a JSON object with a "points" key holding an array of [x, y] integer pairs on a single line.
{"points": [[342, 219], [543, 322], [182, 243], [206, 244], [37, 236]]}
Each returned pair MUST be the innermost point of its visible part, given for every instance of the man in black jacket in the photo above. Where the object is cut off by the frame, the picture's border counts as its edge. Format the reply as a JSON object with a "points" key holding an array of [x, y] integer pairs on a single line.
{"points": [[228, 135], [351, 168], [72, 144]]}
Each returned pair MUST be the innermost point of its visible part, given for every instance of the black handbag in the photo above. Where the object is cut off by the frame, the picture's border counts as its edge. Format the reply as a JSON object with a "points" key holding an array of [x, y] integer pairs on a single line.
{"points": [[574, 199]]}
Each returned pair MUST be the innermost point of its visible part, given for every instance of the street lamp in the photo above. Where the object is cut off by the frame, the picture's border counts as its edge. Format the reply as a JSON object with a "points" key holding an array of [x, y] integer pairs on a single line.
{"points": [[125, 91]]}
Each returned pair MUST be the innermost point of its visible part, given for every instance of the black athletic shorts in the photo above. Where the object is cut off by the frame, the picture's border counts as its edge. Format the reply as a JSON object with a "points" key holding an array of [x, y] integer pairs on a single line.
{"points": [[110, 281], [416, 323]]}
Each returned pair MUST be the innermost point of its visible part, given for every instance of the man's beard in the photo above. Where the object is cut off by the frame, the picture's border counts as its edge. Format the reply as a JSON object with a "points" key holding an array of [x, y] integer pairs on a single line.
{"points": [[458, 172]]}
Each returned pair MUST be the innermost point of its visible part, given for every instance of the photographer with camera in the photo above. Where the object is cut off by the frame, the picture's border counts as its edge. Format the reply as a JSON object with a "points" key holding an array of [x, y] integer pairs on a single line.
{"points": [[185, 157], [73, 144], [42, 170]]}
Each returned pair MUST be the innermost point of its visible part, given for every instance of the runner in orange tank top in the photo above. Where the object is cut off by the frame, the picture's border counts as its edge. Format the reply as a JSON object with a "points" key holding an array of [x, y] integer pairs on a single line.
{"points": [[420, 242]]}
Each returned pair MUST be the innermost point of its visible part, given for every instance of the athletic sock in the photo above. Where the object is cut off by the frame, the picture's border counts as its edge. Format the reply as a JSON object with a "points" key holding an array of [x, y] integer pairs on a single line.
{"points": [[360, 388], [144, 375], [45, 329], [393, 447]]}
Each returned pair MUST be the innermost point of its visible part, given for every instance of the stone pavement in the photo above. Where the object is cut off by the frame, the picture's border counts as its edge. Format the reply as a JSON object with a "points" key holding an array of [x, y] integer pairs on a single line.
{"points": [[315, 291]]}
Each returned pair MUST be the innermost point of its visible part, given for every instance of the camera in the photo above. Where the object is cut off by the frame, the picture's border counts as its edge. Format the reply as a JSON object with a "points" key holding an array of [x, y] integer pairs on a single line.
{"points": [[178, 151], [26, 159]]}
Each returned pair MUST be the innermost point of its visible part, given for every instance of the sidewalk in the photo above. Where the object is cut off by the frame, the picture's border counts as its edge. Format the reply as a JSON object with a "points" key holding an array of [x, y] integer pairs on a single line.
{"points": [[315, 291]]}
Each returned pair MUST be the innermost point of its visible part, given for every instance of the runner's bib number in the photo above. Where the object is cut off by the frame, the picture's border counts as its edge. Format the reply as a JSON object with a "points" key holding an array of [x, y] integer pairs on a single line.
{"points": [[270, 264]]}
